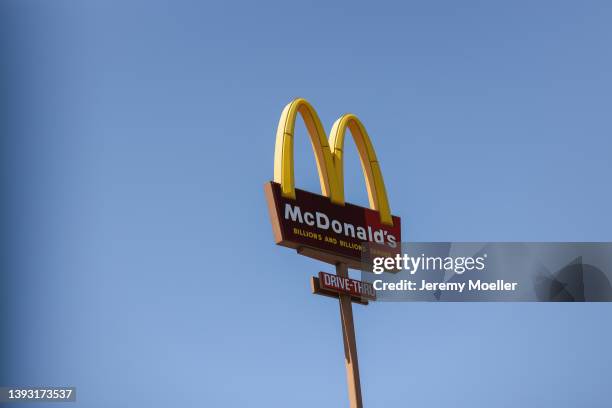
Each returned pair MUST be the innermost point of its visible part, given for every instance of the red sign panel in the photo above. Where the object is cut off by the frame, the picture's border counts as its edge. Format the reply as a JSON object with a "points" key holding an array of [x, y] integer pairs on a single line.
{"points": [[329, 232], [347, 286]]}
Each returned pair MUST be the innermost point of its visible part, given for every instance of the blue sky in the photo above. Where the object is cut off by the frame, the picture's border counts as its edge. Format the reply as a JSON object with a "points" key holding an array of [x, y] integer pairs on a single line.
{"points": [[138, 140]]}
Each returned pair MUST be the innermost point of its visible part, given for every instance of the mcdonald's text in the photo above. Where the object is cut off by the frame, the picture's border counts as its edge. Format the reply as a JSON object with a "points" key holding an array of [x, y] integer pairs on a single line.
{"points": [[328, 232]]}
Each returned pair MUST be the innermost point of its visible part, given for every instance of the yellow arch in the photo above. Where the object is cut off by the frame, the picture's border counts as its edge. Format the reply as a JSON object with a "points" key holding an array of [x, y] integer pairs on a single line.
{"points": [[329, 162], [375, 183], [283, 152]]}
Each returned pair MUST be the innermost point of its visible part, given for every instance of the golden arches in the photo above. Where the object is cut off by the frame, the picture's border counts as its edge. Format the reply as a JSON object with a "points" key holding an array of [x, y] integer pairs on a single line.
{"points": [[330, 163], [283, 152], [377, 193]]}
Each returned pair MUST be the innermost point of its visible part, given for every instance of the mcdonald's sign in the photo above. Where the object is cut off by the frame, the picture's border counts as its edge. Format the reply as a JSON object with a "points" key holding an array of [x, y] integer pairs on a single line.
{"points": [[325, 227]]}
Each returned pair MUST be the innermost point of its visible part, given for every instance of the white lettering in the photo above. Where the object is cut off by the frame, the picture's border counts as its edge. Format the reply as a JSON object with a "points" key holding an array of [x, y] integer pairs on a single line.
{"points": [[294, 213]]}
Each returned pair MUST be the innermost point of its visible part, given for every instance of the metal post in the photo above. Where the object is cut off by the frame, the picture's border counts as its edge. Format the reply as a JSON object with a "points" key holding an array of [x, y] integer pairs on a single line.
{"points": [[350, 345]]}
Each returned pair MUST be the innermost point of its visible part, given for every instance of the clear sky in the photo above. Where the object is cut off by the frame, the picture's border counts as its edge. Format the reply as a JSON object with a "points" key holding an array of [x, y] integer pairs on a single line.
{"points": [[138, 138]]}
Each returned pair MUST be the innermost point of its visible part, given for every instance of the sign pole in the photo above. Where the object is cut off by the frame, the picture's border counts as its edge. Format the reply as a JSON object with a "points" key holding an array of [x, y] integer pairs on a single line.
{"points": [[350, 344]]}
